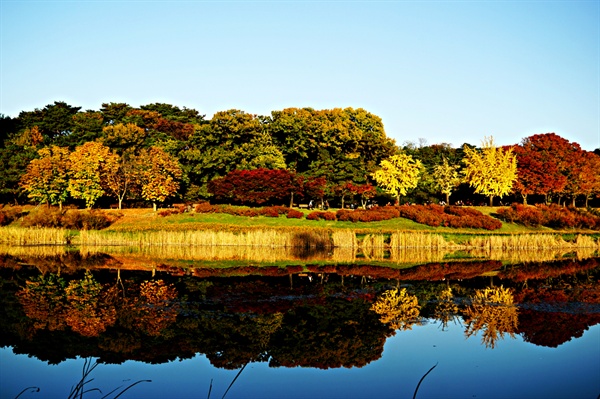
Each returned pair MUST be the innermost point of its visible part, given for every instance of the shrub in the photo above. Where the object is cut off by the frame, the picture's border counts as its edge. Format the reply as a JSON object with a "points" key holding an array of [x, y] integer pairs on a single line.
{"points": [[43, 217], [294, 214], [8, 214], [270, 211], [553, 215], [93, 219], [168, 212], [318, 215], [449, 216], [205, 207]]}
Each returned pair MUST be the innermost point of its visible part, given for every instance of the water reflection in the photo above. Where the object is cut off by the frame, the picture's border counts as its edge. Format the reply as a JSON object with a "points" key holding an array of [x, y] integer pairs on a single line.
{"points": [[118, 308]]}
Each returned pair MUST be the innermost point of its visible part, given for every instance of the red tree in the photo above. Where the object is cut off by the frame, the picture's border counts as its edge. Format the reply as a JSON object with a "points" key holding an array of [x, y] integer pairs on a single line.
{"points": [[545, 163], [255, 187]]}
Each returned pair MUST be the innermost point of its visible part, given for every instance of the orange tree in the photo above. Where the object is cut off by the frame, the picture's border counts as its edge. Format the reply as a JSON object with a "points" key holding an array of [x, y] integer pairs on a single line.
{"points": [[159, 175], [47, 178]]}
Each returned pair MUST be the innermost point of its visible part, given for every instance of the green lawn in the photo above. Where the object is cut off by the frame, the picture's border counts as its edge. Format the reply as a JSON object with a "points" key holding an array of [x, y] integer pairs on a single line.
{"points": [[146, 219]]}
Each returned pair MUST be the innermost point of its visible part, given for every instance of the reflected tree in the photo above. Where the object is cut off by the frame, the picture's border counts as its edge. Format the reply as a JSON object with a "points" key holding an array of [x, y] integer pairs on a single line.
{"points": [[493, 312], [446, 310], [397, 308]]}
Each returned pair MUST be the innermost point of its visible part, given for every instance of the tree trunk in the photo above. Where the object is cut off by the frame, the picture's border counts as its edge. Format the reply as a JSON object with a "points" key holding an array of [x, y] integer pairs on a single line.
{"points": [[342, 202], [291, 199], [154, 206], [447, 199], [491, 200], [524, 199], [120, 202]]}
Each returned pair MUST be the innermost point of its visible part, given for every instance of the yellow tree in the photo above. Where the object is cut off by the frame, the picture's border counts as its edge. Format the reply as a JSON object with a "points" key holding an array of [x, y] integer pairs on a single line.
{"points": [[491, 171], [121, 176], [89, 164], [158, 174], [398, 174], [47, 178], [446, 178]]}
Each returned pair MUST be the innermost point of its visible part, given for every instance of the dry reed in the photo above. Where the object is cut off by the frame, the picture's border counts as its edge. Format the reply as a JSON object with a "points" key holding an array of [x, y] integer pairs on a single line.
{"points": [[530, 241], [344, 238], [32, 236], [401, 239], [259, 238]]}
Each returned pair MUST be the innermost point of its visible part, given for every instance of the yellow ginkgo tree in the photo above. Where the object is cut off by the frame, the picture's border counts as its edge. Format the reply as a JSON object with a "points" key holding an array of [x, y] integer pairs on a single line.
{"points": [[159, 175], [446, 178], [89, 163], [490, 171], [398, 174]]}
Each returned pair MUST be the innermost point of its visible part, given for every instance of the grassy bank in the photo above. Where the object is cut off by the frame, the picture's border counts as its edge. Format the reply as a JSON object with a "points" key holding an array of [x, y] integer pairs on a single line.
{"points": [[143, 227]]}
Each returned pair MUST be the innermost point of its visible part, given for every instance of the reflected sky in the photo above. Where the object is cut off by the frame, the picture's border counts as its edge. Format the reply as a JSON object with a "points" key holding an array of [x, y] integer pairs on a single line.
{"points": [[465, 369]]}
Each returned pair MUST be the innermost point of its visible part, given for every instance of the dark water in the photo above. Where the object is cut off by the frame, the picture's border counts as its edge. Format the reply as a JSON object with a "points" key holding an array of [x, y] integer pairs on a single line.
{"points": [[304, 331]]}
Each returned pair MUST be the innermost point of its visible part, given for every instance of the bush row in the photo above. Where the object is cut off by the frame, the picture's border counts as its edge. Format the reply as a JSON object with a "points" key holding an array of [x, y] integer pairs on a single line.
{"points": [[448, 216], [74, 219], [9, 214], [269, 211], [552, 215], [431, 215]]}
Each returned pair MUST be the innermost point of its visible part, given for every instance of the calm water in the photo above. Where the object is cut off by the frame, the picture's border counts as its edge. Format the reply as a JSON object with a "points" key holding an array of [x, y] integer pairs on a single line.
{"points": [[305, 331]]}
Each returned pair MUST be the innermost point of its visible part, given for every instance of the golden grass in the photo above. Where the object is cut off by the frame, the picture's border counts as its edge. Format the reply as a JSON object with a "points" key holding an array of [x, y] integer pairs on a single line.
{"points": [[31, 235], [530, 241], [344, 238], [401, 239], [274, 238]]}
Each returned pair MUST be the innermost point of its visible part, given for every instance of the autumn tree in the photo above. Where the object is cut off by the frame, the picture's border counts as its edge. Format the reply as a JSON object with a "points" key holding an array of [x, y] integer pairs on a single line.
{"points": [[490, 171], [89, 164], [398, 174], [121, 178], [446, 178], [258, 186], [231, 140], [338, 144], [47, 177], [159, 175], [584, 176], [124, 138], [542, 160], [430, 157]]}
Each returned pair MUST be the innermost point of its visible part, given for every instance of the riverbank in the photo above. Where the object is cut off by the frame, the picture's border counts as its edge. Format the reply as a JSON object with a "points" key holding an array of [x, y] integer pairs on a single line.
{"points": [[143, 227]]}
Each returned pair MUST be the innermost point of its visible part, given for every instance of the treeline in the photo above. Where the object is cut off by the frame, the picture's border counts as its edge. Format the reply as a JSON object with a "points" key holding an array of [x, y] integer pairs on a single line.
{"points": [[160, 152]]}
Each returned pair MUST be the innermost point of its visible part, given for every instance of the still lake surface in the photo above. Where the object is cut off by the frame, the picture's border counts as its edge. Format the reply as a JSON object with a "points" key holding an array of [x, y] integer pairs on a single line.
{"points": [[317, 327]]}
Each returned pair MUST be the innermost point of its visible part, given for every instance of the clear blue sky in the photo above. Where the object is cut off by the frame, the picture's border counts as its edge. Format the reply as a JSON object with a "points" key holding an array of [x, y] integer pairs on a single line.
{"points": [[443, 71]]}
